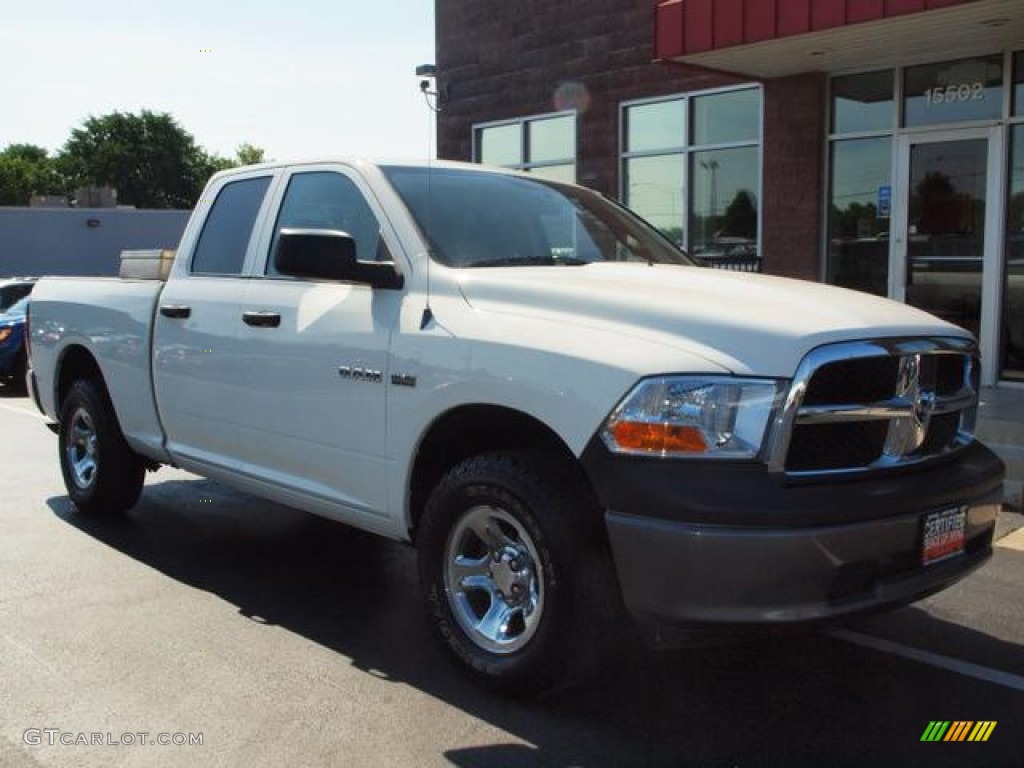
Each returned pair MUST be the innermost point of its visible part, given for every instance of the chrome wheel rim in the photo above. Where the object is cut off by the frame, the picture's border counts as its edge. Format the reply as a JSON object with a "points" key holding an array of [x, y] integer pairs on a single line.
{"points": [[493, 579], [82, 456]]}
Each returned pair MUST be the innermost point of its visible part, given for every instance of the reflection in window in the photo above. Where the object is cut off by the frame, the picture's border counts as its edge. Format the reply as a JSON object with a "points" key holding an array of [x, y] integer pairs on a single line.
{"points": [[723, 118], [946, 229], [1013, 288], [969, 89], [543, 145], [724, 209], [701, 190], [660, 125], [499, 145], [550, 140], [863, 102], [859, 214], [655, 190]]}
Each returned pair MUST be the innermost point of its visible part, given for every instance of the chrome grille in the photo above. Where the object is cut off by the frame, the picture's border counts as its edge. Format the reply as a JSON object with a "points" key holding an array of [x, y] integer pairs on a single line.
{"points": [[866, 405]]}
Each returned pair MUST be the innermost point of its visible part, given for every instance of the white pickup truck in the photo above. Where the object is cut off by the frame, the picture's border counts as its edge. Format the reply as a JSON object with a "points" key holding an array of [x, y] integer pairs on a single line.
{"points": [[572, 422]]}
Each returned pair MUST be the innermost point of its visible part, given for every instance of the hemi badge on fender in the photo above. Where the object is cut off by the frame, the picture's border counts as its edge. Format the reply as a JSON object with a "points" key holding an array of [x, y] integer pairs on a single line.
{"points": [[403, 380]]}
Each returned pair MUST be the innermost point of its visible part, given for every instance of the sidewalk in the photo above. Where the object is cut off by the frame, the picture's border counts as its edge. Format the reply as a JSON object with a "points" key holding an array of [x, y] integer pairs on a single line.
{"points": [[1001, 428]]}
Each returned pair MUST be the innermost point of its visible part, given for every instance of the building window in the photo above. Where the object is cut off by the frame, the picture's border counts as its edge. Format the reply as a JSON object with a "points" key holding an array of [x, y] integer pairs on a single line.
{"points": [[544, 145], [691, 166], [860, 181], [859, 212], [953, 91], [863, 103]]}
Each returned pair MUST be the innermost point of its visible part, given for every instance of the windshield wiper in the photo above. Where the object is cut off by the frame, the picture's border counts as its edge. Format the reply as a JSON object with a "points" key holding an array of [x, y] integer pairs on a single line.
{"points": [[528, 261]]}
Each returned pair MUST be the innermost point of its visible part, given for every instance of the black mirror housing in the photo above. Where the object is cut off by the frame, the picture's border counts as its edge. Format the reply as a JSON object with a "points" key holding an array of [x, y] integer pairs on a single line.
{"points": [[328, 254]]}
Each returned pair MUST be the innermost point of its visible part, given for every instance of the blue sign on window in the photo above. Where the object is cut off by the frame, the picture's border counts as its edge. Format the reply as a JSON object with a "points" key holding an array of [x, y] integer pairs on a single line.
{"points": [[884, 201]]}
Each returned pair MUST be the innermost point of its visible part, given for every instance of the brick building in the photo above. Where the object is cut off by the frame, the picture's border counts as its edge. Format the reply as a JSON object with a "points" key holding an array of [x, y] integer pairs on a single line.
{"points": [[875, 144]]}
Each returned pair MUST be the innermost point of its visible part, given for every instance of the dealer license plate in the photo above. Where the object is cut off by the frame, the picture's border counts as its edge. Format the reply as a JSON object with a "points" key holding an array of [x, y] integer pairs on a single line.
{"points": [[943, 534]]}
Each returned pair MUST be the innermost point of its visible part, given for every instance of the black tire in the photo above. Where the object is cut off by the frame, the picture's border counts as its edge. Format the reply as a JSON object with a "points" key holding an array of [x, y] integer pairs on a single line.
{"points": [[103, 476], [20, 372], [563, 620]]}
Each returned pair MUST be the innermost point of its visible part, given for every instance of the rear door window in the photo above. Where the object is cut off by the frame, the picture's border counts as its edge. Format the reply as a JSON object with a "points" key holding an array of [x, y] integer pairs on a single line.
{"points": [[228, 227]]}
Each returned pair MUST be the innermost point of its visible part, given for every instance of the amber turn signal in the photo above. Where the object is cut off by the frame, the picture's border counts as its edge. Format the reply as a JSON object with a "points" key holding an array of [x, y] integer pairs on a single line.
{"points": [[658, 438]]}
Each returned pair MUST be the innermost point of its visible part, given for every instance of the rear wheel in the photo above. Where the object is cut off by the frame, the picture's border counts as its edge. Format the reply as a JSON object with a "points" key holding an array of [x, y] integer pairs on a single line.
{"points": [[101, 473], [516, 573]]}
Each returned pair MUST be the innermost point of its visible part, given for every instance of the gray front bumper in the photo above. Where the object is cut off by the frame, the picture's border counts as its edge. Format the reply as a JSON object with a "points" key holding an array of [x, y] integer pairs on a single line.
{"points": [[696, 574]]}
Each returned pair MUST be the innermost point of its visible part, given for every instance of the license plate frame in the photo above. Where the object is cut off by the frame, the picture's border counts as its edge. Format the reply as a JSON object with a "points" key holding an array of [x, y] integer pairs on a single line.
{"points": [[943, 534]]}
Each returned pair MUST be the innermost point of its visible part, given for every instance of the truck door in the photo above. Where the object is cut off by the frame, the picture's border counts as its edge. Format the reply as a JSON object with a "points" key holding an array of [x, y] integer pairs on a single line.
{"points": [[197, 326], [316, 356]]}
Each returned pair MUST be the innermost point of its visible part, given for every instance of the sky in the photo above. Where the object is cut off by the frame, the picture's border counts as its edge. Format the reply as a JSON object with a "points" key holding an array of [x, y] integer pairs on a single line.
{"points": [[299, 78]]}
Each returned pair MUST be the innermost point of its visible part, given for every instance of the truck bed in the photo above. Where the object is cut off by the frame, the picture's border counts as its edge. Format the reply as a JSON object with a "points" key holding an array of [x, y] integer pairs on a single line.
{"points": [[113, 319]]}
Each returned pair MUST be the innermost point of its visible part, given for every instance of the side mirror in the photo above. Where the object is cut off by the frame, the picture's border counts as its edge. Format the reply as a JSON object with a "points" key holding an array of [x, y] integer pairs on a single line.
{"points": [[328, 254]]}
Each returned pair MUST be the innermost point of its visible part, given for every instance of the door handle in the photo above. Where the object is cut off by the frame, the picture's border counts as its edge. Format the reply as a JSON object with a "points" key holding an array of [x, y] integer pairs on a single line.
{"points": [[262, 319], [175, 310]]}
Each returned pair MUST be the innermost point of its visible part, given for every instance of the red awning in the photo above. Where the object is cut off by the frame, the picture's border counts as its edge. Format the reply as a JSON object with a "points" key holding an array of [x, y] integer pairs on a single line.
{"points": [[769, 38]]}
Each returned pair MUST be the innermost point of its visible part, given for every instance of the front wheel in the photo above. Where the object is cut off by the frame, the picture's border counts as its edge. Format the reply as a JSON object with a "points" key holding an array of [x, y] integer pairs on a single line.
{"points": [[516, 573], [102, 474]]}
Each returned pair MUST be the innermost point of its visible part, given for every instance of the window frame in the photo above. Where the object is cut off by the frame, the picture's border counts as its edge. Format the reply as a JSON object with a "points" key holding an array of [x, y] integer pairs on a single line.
{"points": [[688, 148], [525, 164], [269, 196]]}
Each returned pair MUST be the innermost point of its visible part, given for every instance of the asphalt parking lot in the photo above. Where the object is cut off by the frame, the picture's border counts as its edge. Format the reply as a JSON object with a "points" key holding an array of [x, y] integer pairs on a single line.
{"points": [[286, 640]]}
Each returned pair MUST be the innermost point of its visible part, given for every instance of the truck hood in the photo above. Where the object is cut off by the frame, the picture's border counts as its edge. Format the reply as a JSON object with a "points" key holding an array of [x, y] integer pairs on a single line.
{"points": [[747, 324]]}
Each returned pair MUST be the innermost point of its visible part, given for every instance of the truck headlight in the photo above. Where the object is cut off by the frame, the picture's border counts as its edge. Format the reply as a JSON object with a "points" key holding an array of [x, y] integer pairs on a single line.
{"points": [[694, 416], [5, 334]]}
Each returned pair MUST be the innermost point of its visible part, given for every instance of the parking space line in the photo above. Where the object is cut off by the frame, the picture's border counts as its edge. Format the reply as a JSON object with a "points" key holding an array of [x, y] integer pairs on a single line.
{"points": [[966, 668], [1014, 540], [22, 411]]}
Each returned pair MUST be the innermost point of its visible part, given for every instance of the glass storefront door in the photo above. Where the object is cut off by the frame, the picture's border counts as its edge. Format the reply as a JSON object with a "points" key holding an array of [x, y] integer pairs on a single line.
{"points": [[1012, 335], [944, 249]]}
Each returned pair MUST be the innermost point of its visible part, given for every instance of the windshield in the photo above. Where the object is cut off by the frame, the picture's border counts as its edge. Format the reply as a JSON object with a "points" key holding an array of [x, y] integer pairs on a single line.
{"points": [[476, 219]]}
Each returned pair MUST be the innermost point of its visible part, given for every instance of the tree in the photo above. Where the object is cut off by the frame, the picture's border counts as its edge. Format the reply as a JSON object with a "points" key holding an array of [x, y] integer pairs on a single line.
{"points": [[247, 154], [151, 160], [15, 181], [28, 152], [27, 170], [740, 218]]}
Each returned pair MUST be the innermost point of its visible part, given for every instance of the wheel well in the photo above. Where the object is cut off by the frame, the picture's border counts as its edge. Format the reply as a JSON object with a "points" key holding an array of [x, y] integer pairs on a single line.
{"points": [[76, 363], [473, 429]]}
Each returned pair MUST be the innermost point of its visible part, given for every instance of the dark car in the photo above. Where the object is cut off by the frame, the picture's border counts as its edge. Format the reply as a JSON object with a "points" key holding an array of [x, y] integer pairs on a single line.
{"points": [[13, 358], [14, 288]]}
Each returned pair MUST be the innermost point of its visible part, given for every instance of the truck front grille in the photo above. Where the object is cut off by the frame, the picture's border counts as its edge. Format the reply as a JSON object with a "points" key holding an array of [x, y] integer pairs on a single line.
{"points": [[870, 405]]}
